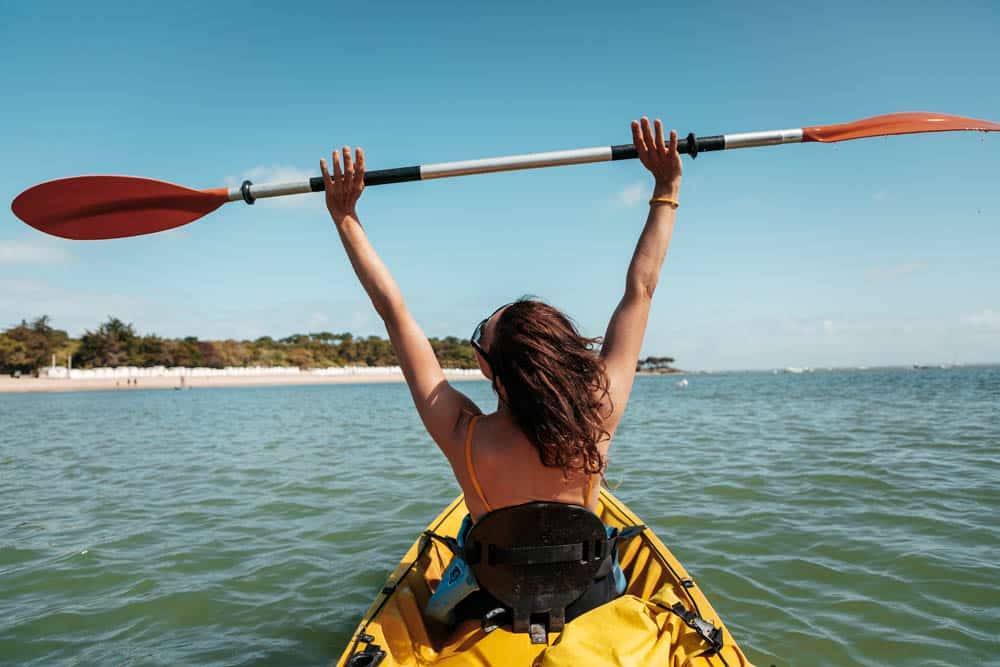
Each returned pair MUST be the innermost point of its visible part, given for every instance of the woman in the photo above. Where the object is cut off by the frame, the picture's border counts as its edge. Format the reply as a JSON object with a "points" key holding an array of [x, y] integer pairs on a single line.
{"points": [[559, 402]]}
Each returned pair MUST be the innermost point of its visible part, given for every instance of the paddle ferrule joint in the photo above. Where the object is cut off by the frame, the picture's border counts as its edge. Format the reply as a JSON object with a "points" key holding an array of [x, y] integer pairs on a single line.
{"points": [[250, 193], [692, 145], [245, 192]]}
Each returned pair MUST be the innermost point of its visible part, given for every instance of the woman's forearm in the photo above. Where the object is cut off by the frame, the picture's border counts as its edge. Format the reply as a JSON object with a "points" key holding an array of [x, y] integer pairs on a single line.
{"points": [[651, 249], [371, 271], [664, 163], [343, 188]]}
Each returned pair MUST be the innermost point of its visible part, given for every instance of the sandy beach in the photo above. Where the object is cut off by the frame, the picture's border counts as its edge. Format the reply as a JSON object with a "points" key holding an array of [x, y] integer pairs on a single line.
{"points": [[26, 384], [30, 384]]}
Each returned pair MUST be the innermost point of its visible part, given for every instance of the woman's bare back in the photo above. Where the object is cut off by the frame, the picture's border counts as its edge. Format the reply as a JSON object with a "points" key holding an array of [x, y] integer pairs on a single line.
{"points": [[509, 470]]}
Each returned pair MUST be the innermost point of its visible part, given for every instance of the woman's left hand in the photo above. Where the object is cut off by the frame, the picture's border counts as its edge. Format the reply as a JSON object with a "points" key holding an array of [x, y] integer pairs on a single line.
{"points": [[344, 188]]}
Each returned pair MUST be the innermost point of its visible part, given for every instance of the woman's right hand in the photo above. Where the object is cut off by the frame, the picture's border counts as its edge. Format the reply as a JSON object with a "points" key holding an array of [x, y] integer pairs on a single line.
{"points": [[344, 188], [663, 161]]}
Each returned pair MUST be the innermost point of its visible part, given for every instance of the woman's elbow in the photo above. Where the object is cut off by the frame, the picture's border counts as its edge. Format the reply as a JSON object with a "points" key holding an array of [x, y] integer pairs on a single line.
{"points": [[641, 288], [390, 310]]}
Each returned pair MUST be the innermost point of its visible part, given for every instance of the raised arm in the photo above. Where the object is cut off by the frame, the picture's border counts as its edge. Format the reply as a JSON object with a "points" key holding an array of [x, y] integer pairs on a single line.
{"points": [[439, 404], [627, 327]]}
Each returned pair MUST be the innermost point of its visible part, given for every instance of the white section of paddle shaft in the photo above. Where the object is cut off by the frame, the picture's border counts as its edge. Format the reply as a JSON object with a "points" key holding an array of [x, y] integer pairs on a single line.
{"points": [[263, 190], [513, 162], [766, 138], [527, 161]]}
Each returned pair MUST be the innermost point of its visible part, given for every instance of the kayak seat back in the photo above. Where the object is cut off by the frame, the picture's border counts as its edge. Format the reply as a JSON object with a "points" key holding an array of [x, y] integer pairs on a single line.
{"points": [[537, 559]]}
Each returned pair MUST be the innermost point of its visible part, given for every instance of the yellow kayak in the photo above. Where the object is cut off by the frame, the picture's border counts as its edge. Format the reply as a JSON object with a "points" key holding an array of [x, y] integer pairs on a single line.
{"points": [[662, 619]]}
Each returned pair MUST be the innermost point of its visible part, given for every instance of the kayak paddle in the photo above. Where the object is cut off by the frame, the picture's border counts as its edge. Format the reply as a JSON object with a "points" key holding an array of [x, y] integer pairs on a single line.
{"points": [[107, 207]]}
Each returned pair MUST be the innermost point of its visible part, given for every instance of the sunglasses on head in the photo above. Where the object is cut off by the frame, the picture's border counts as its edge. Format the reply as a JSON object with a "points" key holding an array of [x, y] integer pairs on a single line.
{"points": [[477, 334]]}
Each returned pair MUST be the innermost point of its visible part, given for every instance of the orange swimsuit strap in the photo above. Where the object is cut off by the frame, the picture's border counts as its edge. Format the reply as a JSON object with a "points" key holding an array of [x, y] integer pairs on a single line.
{"points": [[468, 464]]}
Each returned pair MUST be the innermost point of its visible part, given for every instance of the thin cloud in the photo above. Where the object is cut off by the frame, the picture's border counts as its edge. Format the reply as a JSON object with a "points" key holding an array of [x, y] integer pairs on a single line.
{"points": [[886, 273], [987, 318], [26, 252], [631, 194]]}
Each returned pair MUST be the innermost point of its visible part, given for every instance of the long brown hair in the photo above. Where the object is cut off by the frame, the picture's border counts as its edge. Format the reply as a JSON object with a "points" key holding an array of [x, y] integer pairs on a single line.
{"points": [[555, 384]]}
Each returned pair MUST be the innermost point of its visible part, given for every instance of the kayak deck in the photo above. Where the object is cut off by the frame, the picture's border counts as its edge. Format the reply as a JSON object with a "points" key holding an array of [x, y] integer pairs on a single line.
{"points": [[639, 629]]}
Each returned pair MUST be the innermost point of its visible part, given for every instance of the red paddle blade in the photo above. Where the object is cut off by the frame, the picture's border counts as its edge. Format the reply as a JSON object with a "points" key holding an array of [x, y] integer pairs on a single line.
{"points": [[910, 122], [110, 207]]}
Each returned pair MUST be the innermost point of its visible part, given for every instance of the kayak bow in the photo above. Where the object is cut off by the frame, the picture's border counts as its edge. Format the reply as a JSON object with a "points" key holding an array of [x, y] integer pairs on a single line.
{"points": [[663, 618]]}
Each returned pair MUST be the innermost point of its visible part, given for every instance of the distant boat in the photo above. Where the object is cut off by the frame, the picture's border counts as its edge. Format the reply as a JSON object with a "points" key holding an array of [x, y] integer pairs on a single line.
{"points": [[795, 369], [683, 383], [921, 367]]}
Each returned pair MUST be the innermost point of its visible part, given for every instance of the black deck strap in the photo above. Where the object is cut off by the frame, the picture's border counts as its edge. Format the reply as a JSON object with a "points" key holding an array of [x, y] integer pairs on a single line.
{"points": [[705, 630], [245, 191], [555, 553], [449, 542], [371, 656]]}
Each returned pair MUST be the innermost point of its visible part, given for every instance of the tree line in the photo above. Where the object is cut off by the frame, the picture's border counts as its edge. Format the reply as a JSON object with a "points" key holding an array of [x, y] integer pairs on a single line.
{"points": [[655, 364], [29, 346]]}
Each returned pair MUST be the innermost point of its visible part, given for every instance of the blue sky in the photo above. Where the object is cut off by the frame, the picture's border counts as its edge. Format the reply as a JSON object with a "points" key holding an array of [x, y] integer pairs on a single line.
{"points": [[883, 251]]}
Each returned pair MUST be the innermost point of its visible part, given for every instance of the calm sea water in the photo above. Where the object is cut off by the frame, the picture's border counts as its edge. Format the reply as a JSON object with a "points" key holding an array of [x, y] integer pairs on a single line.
{"points": [[833, 518]]}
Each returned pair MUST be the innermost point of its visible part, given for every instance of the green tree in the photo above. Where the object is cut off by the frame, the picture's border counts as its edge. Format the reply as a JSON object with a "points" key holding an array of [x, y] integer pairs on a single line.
{"points": [[210, 354], [234, 353], [300, 357], [151, 351], [187, 352], [13, 355], [111, 345], [28, 347]]}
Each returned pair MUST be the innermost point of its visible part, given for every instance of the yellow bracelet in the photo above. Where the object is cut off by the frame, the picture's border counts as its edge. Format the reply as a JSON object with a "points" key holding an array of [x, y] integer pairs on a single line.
{"points": [[664, 200]]}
